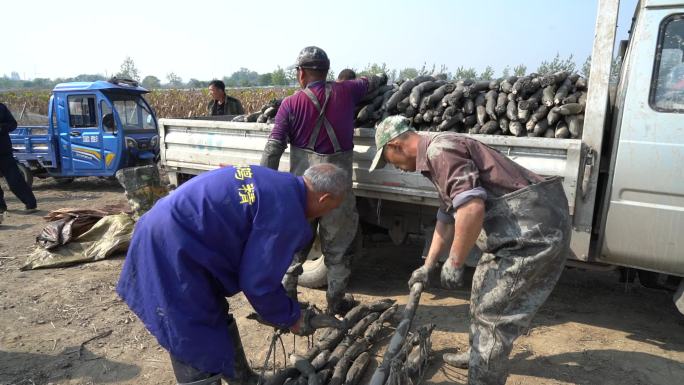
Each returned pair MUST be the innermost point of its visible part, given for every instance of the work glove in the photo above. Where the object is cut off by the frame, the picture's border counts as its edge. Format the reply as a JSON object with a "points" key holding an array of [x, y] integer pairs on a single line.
{"points": [[422, 275], [303, 326], [451, 276], [272, 152]]}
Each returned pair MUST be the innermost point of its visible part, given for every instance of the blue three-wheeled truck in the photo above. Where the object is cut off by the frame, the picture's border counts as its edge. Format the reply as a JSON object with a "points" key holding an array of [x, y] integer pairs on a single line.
{"points": [[94, 129]]}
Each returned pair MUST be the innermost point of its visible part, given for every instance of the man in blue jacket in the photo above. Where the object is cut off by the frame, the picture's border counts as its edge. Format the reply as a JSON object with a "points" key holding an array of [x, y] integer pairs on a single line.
{"points": [[226, 231]]}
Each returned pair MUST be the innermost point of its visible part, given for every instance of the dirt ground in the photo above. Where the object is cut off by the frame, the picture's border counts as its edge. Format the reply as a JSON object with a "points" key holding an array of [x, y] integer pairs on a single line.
{"points": [[67, 325]]}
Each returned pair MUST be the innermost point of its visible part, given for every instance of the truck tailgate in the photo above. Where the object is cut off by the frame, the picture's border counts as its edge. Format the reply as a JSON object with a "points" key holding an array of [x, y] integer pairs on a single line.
{"points": [[33, 143]]}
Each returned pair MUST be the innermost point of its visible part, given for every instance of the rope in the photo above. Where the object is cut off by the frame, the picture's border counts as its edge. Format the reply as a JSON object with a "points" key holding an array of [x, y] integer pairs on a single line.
{"points": [[271, 350], [397, 374], [425, 345]]}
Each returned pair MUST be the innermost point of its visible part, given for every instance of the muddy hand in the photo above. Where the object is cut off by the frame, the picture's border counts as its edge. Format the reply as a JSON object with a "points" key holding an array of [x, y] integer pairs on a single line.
{"points": [[319, 321], [451, 275]]}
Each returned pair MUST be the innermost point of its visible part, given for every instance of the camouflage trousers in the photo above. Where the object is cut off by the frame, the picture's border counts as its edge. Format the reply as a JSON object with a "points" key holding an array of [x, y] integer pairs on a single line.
{"points": [[336, 233], [525, 242], [336, 230], [143, 187]]}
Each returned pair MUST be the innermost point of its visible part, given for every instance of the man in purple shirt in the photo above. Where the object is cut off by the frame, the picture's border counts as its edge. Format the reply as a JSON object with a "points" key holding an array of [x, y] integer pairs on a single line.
{"points": [[318, 123]]}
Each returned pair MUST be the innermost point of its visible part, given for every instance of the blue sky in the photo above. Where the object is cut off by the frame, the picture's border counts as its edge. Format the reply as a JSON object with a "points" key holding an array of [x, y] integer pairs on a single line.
{"points": [[208, 39]]}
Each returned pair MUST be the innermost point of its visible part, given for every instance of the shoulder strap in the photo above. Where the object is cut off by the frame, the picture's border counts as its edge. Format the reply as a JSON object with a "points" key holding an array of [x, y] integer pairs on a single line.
{"points": [[322, 120]]}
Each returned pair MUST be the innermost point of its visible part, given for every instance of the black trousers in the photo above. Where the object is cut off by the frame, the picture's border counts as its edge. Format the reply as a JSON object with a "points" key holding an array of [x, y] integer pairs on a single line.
{"points": [[16, 182]]}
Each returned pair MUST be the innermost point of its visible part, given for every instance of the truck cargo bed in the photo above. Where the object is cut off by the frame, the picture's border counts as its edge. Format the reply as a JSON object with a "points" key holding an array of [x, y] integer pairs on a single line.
{"points": [[192, 146]]}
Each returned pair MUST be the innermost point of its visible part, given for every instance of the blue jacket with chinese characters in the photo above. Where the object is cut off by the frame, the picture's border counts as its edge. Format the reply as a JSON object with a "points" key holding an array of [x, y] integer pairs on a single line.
{"points": [[225, 231]]}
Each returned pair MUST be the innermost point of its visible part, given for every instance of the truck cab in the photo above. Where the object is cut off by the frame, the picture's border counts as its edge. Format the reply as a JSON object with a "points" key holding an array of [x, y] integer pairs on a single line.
{"points": [[641, 179], [94, 129]]}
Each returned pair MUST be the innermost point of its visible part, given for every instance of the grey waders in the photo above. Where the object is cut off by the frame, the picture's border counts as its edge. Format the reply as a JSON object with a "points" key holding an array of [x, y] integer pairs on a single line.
{"points": [[338, 228]]}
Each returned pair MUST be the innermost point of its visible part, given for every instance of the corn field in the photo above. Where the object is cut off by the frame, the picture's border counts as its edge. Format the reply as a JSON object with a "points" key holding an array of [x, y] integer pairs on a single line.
{"points": [[173, 103], [188, 103]]}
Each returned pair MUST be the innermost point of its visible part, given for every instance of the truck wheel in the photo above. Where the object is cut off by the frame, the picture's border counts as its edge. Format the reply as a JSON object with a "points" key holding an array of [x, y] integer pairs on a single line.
{"points": [[26, 173], [315, 273]]}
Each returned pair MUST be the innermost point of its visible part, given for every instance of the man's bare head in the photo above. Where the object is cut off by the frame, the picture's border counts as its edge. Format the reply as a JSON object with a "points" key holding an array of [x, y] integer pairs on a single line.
{"points": [[326, 186]]}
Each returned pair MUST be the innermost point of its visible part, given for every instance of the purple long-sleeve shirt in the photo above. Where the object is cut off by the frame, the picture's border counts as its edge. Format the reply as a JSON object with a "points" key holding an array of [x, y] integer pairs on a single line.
{"points": [[296, 117]]}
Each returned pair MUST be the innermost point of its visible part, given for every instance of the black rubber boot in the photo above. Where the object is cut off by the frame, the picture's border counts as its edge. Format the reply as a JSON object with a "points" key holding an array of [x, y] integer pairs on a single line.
{"points": [[242, 372], [290, 279], [340, 304], [458, 360], [188, 375], [213, 380]]}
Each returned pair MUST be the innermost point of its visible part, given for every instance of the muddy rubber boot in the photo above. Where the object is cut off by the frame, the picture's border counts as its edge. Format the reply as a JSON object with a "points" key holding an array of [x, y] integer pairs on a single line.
{"points": [[340, 304], [188, 375], [291, 278], [242, 372], [143, 187], [458, 360]]}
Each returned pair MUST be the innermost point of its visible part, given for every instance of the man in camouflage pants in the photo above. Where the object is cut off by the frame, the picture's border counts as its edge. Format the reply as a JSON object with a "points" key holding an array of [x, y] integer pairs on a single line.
{"points": [[318, 123], [525, 237]]}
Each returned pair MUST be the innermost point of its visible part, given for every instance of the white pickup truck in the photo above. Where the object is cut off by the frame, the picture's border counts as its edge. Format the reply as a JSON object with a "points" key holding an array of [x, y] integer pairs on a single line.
{"points": [[624, 178]]}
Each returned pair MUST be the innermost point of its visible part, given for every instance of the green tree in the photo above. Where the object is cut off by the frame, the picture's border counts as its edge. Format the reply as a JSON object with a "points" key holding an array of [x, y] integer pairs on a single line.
{"points": [[465, 73], [392, 76], [88, 78], [487, 74], [556, 65], [615, 67], [6, 83], [151, 82], [520, 70], [279, 77], [42, 83], [128, 70], [425, 70], [374, 69], [586, 67], [266, 79], [175, 81], [506, 72], [194, 83], [408, 73], [291, 75], [229, 82], [331, 75], [244, 78]]}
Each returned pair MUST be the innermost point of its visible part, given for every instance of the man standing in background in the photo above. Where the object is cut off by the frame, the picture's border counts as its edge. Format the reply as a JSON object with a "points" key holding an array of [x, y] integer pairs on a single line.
{"points": [[9, 168], [222, 104]]}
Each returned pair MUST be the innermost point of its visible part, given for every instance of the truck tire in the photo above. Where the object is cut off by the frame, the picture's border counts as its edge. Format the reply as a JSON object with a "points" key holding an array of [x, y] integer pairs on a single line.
{"points": [[315, 273], [26, 173]]}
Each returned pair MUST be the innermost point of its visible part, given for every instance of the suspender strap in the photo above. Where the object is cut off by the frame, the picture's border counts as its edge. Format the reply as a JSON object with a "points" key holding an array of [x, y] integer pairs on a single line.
{"points": [[322, 120]]}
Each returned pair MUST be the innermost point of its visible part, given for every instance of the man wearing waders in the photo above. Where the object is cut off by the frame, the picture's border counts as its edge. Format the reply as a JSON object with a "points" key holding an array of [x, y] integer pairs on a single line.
{"points": [[318, 123], [524, 243]]}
